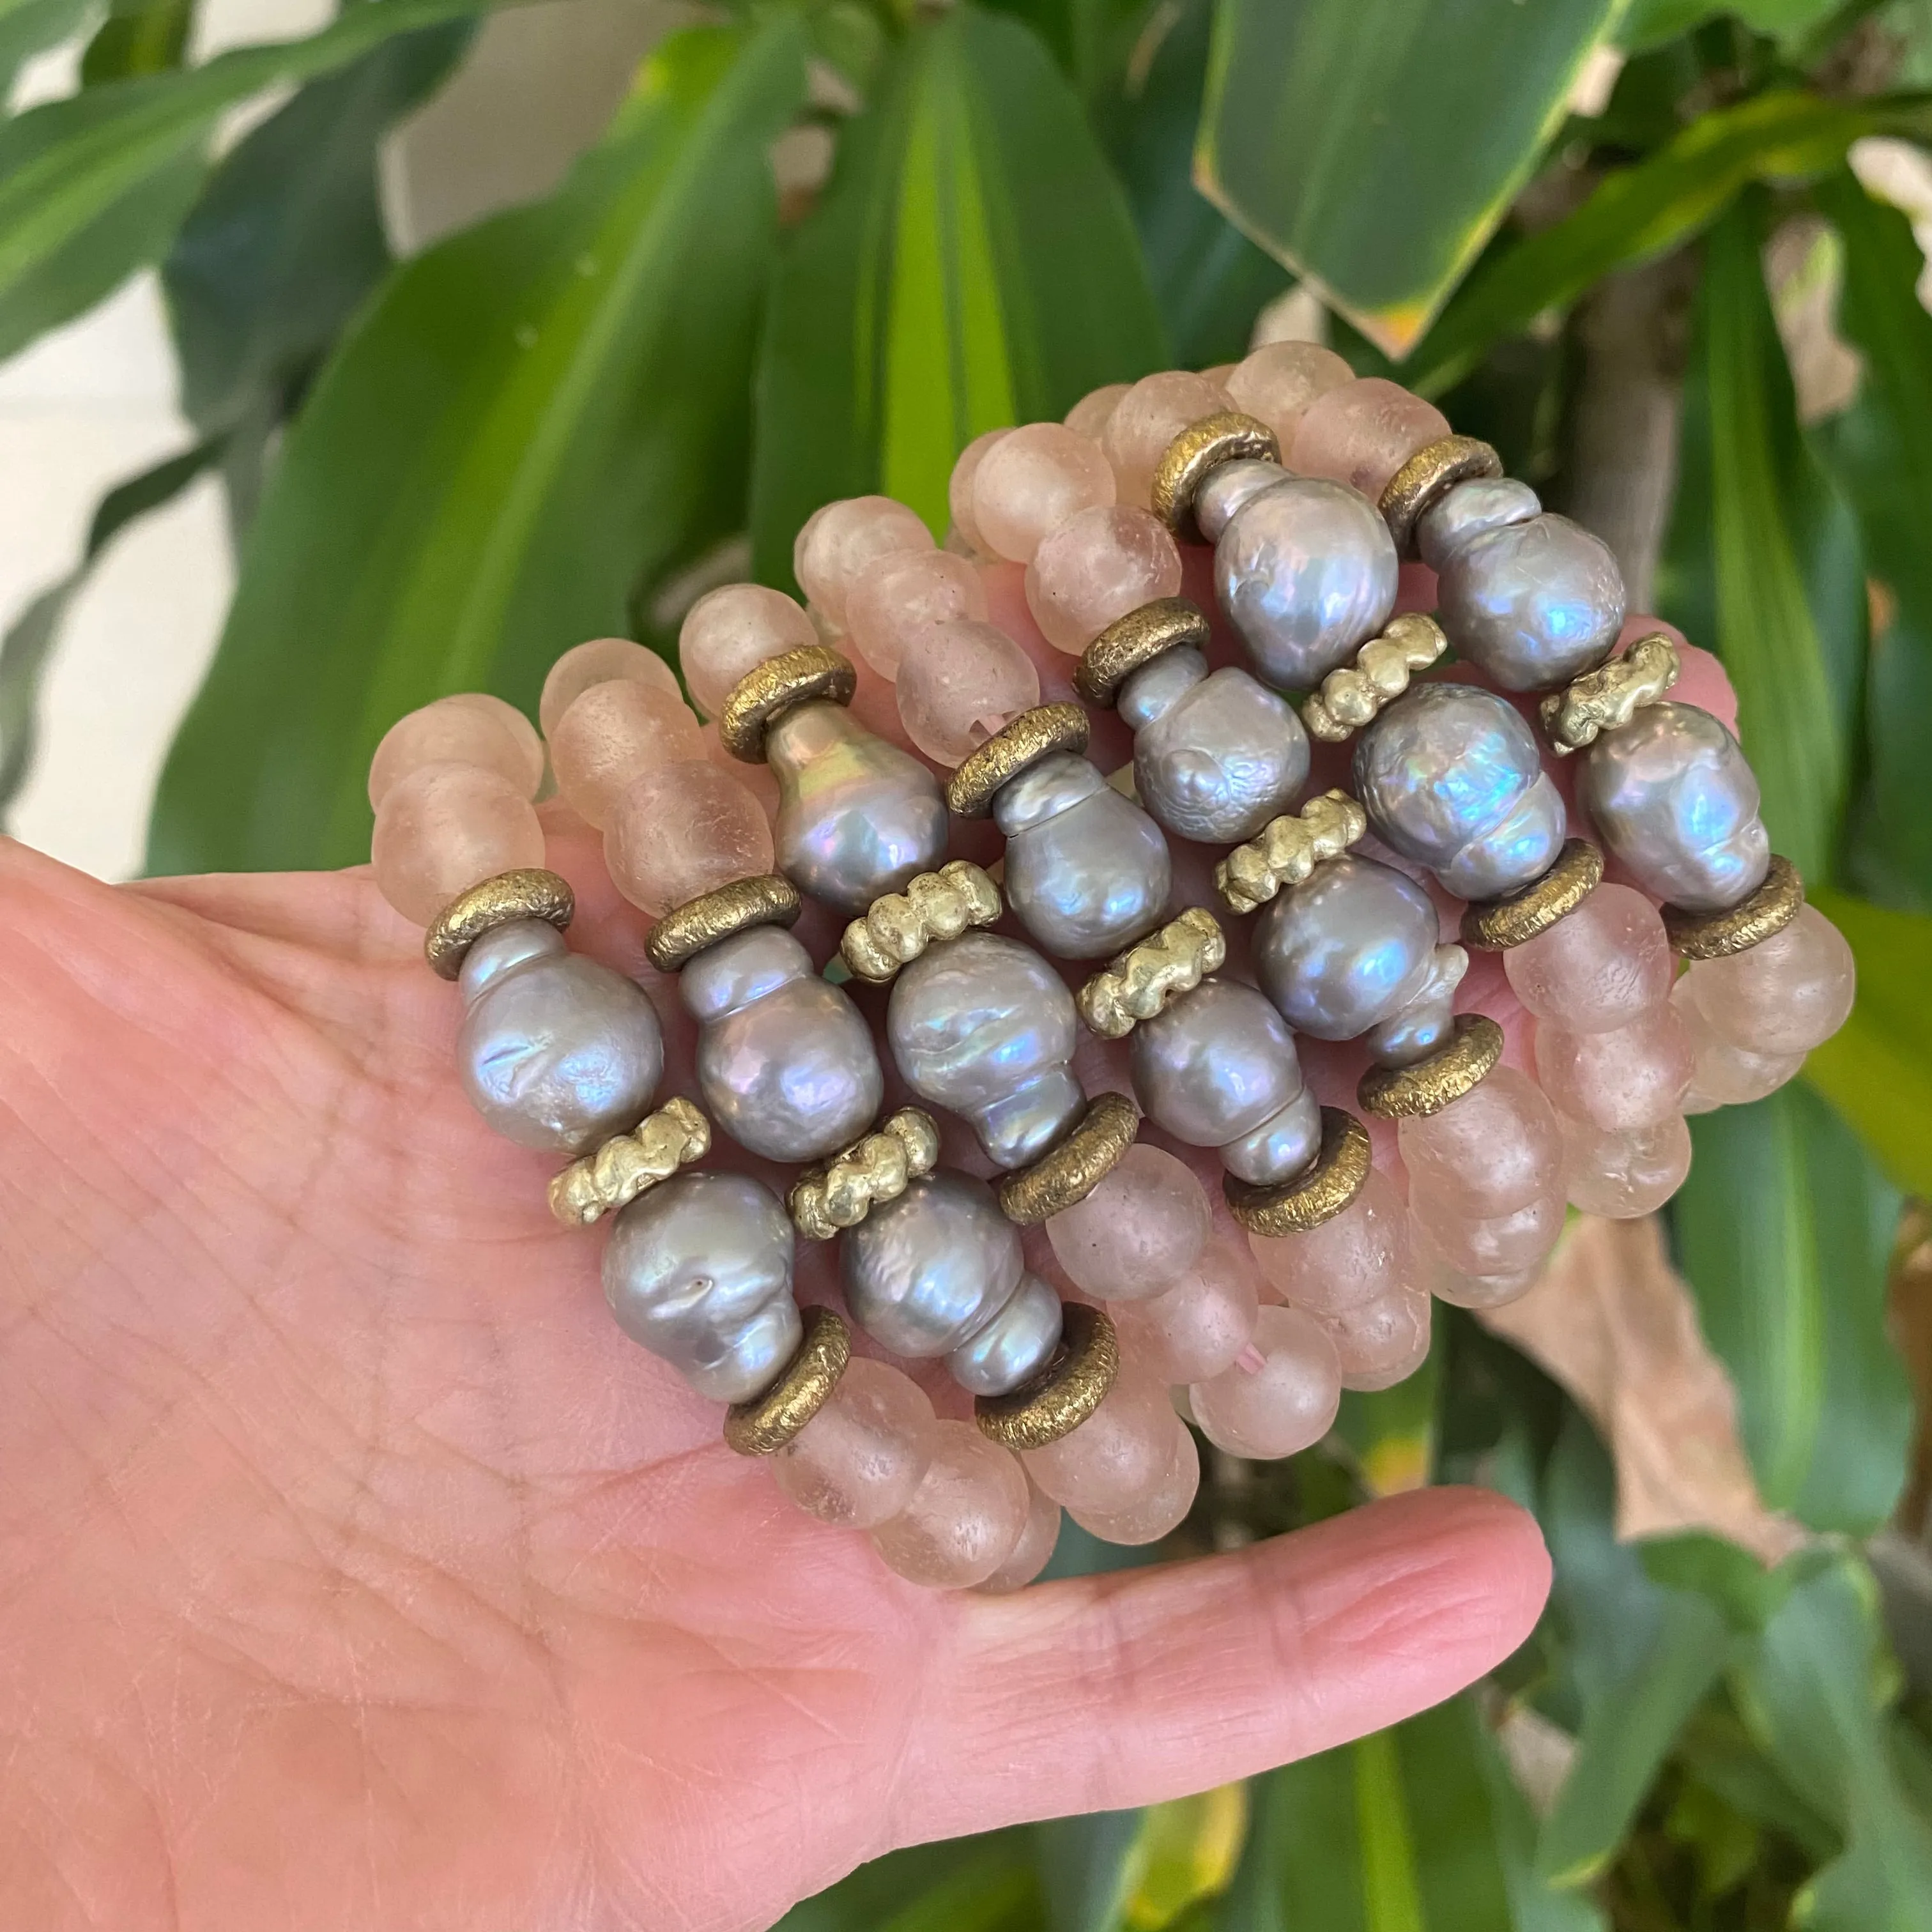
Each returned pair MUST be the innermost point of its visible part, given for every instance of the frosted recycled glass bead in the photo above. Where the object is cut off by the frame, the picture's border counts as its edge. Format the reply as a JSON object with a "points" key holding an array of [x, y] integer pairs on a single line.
{"points": [[469, 728], [1361, 433], [1277, 383], [1489, 1244], [1606, 965], [1146, 419], [1032, 482], [1622, 1175], [1434, 1273], [1382, 1340], [859, 1460], [970, 1510], [1352, 1257], [1138, 1232], [681, 830], [1723, 1074], [1034, 1551], [611, 736], [1786, 994], [1196, 1326], [1163, 1509], [1096, 566], [731, 631], [1118, 1456], [601, 661], [444, 828], [1497, 1148], [840, 543], [1091, 415], [1631, 1076], [959, 489], [1280, 1397], [901, 594], [958, 683]]}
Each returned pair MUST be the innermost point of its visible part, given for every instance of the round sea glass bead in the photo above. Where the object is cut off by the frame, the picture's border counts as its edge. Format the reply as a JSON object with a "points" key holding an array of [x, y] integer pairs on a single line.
{"points": [[1434, 1272], [1146, 419], [970, 1510], [859, 1460], [682, 830], [958, 683], [1722, 1073], [1032, 482], [1489, 1244], [959, 489], [1606, 965], [1196, 1326], [468, 728], [1630, 1076], [904, 593], [1352, 1257], [1622, 1175], [1139, 1231], [1362, 433], [444, 828], [600, 662], [1091, 415], [1117, 1457], [1786, 994], [1494, 1150], [1277, 383], [1381, 1341], [840, 543], [731, 631], [1095, 567], [1034, 1551], [1280, 1397], [613, 733], [1163, 1508]]}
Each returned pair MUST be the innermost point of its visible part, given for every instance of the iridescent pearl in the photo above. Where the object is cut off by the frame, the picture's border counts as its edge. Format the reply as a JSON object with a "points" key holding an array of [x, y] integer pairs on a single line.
{"points": [[469, 728], [1095, 567], [1534, 605], [1196, 1326], [1226, 487], [966, 1516], [1216, 1065], [1622, 1175], [1428, 1021], [599, 662], [983, 1026], [731, 631], [958, 683], [443, 828], [859, 1460], [1088, 871], [857, 816], [1496, 1149], [1014, 1346], [1281, 1397], [1784, 995], [1672, 797], [1277, 383], [555, 1052], [1305, 572], [1602, 966], [1362, 433], [1138, 1232], [1280, 1147], [1216, 755], [785, 1064], [1164, 1507], [1034, 1550], [699, 1270], [1451, 777], [1465, 512], [840, 542], [680, 831], [1631, 1076], [901, 594], [1032, 482]]}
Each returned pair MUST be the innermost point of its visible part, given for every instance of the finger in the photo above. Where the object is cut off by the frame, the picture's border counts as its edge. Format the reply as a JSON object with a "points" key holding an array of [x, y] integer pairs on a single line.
{"points": [[1104, 1692]]}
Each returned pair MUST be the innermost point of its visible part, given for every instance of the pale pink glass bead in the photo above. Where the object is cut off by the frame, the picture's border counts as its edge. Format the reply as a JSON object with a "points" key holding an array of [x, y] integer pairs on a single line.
{"points": [[445, 828], [1277, 383], [958, 683], [1605, 965], [683, 830], [1034, 1551], [903, 593], [1163, 1508], [1622, 1176], [611, 735], [1193, 1330], [1723, 1074], [1280, 1397], [959, 489], [1032, 482], [1139, 1231], [731, 631], [841, 542], [1631, 1076], [602, 660], [969, 1510], [1091, 415], [1148, 418], [1786, 994], [1118, 1456], [1352, 1257], [1490, 1243], [1495, 1149], [469, 728], [1098, 566], [1434, 1273], [1362, 433], [1382, 1341], [859, 1459]]}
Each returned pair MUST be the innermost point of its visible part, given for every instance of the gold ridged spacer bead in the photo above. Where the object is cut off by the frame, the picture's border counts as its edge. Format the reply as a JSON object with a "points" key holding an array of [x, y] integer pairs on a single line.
{"points": [[1131, 643], [1033, 735], [685, 931], [897, 927], [1607, 698], [626, 1165], [841, 1192], [1425, 476], [1057, 1400], [813, 671], [1717, 935], [1495, 925], [1068, 1172], [1139, 984], [1407, 1093], [531, 892], [763, 1427], [1288, 849], [1354, 695], [1228, 436], [1337, 1174]]}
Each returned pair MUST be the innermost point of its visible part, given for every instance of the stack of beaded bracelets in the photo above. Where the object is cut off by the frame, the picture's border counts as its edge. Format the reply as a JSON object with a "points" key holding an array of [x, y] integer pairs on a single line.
{"points": [[1252, 1339]]}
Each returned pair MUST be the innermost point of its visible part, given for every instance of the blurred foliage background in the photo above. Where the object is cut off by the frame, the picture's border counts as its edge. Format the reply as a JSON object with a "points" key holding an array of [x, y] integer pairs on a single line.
{"points": [[1661, 253]]}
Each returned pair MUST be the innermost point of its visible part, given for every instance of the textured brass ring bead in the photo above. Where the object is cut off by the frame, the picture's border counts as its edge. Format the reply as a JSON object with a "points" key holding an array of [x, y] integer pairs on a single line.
{"points": [[1226, 436], [1607, 698], [1338, 1173], [844, 1190], [1426, 475], [1069, 1172], [1131, 643], [626, 1165], [1033, 735], [1716, 935], [1288, 849], [685, 931], [1494, 925], [1405, 1093], [529, 893], [1057, 1400], [897, 927], [762, 695], [1145, 978], [763, 1427]]}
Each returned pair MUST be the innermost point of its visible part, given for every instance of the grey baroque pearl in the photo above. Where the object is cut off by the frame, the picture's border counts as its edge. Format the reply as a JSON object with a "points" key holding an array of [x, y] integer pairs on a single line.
{"points": [[1461, 514], [1280, 1147], [1346, 948], [1088, 871], [1217, 1064], [1306, 572], [1416, 1029], [1015, 1344], [1227, 486], [555, 1052], [1532, 604], [1675, 799], [785, 1064], [1218, 755], [699, 1270], [1450, 777], [982, 1025], [857, 816], [925, 1273]]}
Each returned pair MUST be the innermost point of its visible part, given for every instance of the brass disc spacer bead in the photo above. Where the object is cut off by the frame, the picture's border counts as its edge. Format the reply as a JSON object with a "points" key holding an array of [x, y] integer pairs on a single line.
{"points": [[1057, 1400], [1337, 1174], [627, 1164], [1494, 925], [1227, 436], [1067, 1173], [763, 1427], [794, 677], [1145, 978], [897, 927], [1405, 1093], [1129, 643], [842, 1191], [685, 931], [1716, 935], [1033, 735], [1431, 471], [529, 893]]}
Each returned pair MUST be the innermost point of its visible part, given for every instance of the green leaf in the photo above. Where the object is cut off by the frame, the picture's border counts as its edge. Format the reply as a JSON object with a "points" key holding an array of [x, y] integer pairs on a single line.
{"points": [[27, 26], [985, 1884], [1084, 1868], [1374, 145], [93, 186], [972, 264], [145, 37], [1649, 23], [538, 420], [1784, 1230]]}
